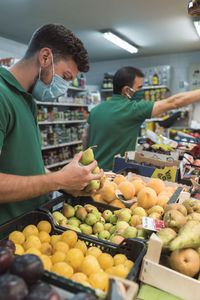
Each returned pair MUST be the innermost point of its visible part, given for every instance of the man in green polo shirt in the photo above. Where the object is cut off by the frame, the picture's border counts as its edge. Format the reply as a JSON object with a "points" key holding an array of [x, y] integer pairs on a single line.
{"points": [[114, 124], [53, 58]]}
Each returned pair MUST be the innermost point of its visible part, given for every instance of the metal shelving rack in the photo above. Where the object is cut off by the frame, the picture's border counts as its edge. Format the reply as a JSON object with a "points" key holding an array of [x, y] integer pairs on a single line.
{"points": [[42, 123]]}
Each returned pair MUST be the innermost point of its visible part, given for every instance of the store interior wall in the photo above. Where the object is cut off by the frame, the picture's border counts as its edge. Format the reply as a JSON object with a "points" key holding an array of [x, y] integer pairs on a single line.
{"points": [[179, 62]]}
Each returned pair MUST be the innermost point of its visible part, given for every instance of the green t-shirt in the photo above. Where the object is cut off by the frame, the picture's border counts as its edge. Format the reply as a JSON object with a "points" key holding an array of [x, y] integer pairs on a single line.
{"points": [[20, 141], [114, 127]]}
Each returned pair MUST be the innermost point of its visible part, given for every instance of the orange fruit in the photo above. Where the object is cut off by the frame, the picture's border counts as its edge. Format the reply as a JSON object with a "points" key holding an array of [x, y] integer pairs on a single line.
{"points": [[46, 249], [17, 237], [44, 226], [129, 264], [105, 260], [121, 271], [33, 251], [99, 280], [119, 259], [32, 241], [74, 257], [82, 246], [58, 256], [44, 237], [90, 265], [70, 237], [46, 262], [61, 246], [19, 250], [30, 230], [94, 251], [62, 269], [79, 277], [54, 239]]}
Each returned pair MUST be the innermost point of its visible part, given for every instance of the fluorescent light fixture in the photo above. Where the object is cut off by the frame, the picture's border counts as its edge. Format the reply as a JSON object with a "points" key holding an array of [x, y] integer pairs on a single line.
{"points": [[119, 42], [197, 26]]}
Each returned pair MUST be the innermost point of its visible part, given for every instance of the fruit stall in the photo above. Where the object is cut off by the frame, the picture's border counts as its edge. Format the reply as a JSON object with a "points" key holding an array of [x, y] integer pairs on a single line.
{"points": [[136, 237]]}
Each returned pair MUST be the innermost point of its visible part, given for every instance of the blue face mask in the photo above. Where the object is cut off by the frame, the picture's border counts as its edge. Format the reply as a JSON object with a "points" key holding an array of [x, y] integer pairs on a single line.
{"points": [[43, 92], [137, 96]]}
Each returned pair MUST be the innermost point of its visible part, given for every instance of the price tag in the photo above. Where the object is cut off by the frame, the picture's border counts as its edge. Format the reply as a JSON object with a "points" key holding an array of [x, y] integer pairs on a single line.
{"points": [[168, 173], [152, 224]]}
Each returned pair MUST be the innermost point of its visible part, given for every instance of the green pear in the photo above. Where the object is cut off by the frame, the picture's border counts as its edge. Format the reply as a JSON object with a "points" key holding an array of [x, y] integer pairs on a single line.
{"points": [[93, 185], [74, 221], [58, 216], [98, 227], [96, 170], [87, 157], [104, 235], [86, 229], [166, 235], [188, 236], [174, 219], [91, 219], [129, 232]]}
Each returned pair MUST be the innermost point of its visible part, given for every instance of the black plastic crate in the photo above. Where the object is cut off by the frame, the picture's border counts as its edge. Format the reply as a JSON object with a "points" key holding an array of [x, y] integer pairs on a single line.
{"points": [[134, 249], [57, 203]]}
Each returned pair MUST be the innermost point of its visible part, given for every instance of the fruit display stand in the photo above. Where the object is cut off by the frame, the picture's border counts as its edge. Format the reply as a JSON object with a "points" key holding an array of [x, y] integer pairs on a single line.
{"points": [[164, 278], [134, 249]]}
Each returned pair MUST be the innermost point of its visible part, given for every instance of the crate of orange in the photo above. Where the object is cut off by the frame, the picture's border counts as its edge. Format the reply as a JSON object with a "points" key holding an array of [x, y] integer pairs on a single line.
{"points": [[78, 262]]}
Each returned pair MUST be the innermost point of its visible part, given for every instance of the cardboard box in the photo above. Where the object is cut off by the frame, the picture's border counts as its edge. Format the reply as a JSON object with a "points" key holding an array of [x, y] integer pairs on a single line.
{"points": [[166, 173], [173, 156], [164, 278]]}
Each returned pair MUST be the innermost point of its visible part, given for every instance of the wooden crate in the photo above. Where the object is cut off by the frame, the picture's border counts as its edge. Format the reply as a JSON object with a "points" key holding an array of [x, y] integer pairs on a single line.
{"points": [[164, 278]]}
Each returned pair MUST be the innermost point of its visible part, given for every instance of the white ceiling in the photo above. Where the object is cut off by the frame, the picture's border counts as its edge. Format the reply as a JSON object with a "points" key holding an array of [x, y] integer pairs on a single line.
{"points": [[156, 26]]}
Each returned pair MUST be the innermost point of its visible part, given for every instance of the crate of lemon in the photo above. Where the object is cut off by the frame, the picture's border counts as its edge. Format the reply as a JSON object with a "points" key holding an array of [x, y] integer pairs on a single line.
{"points": [[72, 258]]}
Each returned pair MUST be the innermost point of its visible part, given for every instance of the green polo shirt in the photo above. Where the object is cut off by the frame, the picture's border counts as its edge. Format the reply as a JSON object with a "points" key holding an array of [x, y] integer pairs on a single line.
{"points": [[20, 141], [114, 127]]}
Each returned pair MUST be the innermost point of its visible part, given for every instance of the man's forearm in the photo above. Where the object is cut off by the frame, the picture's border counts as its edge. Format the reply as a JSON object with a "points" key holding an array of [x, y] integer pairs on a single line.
{"points": [[175, 101], [17, 188]]}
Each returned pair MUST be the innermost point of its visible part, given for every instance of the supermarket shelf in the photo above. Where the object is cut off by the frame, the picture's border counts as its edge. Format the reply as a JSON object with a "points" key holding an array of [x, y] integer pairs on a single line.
{"points": [[60, 122], [152, 87], [61, 145], [61, 104], [61, 163], [106, 90]]}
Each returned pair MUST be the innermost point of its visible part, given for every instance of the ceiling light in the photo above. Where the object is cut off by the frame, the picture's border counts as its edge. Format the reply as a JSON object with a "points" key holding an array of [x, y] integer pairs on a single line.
{"points": [[197, 26], [119, 42]]}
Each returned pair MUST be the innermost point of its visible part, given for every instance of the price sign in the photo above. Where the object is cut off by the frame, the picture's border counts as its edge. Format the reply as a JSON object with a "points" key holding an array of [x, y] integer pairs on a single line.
{"points": [[152, 224]]}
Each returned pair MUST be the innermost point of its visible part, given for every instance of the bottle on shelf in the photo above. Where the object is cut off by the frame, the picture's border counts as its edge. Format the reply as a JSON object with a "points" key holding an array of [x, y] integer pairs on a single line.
{"points": [[155, 77], [150, 77], [105, 81]]}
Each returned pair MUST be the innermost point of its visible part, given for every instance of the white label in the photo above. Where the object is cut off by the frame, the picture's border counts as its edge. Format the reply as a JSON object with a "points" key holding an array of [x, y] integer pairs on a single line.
{"points": [[152, 224]]}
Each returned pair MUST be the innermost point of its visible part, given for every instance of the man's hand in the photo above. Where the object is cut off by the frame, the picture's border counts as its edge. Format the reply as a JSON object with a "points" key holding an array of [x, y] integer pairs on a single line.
{"points": [[74, 177]]}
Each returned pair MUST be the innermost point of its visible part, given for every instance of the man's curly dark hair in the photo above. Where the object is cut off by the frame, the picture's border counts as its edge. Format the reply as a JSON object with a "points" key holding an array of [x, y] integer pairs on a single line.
{"points": [[62, 42]]}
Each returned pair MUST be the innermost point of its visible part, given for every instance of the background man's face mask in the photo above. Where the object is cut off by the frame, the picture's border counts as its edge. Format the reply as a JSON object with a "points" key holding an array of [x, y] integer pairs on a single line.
{"points": [[137, 96], [58, 87]]}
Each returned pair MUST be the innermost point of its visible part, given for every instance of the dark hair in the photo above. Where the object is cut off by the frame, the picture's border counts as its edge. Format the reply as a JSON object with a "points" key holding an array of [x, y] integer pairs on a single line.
{"points": [[62, 42], [125, 76]]}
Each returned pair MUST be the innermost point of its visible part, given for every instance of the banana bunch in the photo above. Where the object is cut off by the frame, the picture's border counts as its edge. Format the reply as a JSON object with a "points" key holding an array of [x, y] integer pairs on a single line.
{"points": [[162, 146]]}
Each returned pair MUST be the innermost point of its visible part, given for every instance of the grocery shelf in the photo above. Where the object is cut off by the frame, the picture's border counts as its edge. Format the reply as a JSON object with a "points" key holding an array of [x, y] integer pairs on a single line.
{"points": [[60, 163], [60, 122], [61, 104], [61, 145], [151, 87], [106, 90]]}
